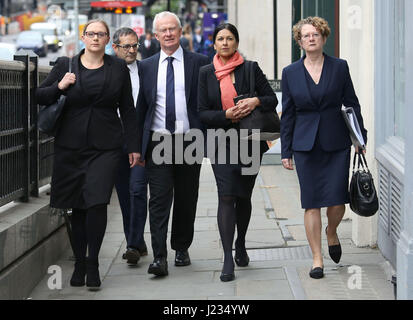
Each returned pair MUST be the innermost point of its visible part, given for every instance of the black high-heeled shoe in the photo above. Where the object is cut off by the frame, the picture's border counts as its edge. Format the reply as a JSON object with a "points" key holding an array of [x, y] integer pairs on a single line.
{"points": [[226, 277], [79, 274], [92, 275], [334, 251], [317, 273], [241, 258], [228, 274]]}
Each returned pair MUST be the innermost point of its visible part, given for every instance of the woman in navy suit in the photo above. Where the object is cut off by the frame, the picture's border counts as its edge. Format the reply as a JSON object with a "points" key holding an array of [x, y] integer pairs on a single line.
{"points": [[314, 132], [219, 83], [89, 141]]}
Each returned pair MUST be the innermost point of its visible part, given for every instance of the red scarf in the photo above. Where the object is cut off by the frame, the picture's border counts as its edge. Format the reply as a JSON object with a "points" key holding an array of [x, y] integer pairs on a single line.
{"points": [[223, 74]]}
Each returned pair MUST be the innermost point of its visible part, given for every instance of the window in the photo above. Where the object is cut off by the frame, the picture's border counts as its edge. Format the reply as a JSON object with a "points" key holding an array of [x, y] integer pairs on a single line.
{"points": [[326, 9]]}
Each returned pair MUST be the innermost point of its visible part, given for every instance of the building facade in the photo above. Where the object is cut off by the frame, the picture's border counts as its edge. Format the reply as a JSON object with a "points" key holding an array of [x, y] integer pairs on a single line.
{"points": [[372, 36]]}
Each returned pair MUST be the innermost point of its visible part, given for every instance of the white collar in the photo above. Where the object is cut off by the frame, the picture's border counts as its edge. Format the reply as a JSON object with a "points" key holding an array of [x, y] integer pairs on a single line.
{"points": [[178, 55], [133, 67]]}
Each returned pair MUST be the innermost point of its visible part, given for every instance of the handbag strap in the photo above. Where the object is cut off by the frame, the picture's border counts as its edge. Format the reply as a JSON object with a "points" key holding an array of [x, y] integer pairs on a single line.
{"points": [[362, 162], [365, 161], [252, 78], [70, 64]]}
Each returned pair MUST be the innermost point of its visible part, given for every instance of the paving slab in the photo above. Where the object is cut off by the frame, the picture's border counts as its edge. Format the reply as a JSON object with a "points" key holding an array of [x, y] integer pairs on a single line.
{"points": [[280, 257]]}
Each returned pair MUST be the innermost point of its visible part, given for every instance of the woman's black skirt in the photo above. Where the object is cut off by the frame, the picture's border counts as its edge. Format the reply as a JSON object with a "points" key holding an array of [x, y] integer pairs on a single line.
{"points": [[230, 177], [83, 178]]}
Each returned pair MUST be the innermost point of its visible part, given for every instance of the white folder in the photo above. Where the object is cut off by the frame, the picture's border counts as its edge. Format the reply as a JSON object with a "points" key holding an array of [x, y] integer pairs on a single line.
{"points": [[353, 126]]}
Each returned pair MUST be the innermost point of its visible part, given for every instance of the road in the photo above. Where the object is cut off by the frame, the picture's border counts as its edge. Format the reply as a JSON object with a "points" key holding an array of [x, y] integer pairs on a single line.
{"points": [[51, 56]]}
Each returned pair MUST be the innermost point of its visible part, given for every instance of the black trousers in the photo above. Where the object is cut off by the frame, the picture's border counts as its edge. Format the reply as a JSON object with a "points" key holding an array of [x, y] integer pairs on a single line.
{"points": [[177, 183]]}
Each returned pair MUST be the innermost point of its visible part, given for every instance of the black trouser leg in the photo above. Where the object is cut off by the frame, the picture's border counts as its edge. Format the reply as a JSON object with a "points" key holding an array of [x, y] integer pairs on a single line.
{"points": [[226, 225], [160, 202], [186, 186]]}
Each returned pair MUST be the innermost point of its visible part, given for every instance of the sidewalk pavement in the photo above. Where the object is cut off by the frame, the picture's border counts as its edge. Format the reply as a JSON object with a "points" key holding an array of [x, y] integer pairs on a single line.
{"points": [[280, 257]]}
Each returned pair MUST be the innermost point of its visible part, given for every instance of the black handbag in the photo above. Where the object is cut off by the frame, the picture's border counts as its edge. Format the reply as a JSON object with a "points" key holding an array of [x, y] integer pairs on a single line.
{"points": [[363, 196], [49, 117], [267, 122]]}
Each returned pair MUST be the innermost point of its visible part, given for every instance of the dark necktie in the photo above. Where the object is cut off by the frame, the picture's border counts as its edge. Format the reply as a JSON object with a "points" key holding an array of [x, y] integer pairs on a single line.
{"points": [[170, 97]]}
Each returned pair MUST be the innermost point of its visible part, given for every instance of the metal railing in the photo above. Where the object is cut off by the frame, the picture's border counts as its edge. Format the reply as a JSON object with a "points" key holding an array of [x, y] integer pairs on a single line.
{"points": [[25, 161]]}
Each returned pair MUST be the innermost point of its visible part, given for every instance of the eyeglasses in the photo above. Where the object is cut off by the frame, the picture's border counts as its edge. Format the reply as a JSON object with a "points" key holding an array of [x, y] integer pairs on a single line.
{"points": [[128, 46], [91, 34], [306, 37]]}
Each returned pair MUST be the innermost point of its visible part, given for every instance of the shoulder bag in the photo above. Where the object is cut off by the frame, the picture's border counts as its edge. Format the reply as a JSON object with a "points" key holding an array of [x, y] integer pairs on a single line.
{"points": [[49, 117], [363, 196], [267, 122]]}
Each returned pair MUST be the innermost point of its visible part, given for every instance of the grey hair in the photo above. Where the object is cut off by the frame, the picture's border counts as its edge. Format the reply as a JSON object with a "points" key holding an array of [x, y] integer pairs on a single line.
{"points": [[121, 33], [163, 14]]}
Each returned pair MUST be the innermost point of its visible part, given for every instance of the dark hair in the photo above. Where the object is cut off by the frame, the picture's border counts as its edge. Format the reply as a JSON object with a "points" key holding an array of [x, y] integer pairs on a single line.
{"points": [[228, 26], [121, 33]]}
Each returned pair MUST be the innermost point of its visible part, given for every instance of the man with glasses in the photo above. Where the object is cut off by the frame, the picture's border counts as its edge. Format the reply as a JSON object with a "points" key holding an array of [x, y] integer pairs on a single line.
{"points": [[131, 183], [168, 105]]}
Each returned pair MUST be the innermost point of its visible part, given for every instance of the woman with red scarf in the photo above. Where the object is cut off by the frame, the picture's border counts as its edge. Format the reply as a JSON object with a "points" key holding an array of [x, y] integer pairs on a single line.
{"points": [[219, 83]]}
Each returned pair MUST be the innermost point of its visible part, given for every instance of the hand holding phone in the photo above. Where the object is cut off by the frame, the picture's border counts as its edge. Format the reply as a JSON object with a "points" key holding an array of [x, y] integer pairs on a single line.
{"points": [[240, 97]]}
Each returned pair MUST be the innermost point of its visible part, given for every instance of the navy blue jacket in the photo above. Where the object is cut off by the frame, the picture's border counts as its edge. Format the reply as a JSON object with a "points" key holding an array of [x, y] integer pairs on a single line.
{"points": [[302, 118], [145, 109]]}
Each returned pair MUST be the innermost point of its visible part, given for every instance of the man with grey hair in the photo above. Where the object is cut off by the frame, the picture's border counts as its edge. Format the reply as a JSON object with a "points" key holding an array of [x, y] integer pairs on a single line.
{"points": [[168, 105], [131, 183]]}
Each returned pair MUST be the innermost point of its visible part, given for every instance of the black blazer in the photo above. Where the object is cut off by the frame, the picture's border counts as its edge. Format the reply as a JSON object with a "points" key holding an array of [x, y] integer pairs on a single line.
{"points": [[302, 118], [209, 97], [93, 123], [148, 74], [150, 51]]}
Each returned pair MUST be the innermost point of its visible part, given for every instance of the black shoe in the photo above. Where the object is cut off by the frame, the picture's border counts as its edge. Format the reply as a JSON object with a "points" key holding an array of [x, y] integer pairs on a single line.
{"points": [[143, 250], [92, 275], [132, 256], [182, 258], [124, 256], [227, 277], [334, 251], [79, 274], [317, 273], [227, 273], [159, 267], [241, 258]]}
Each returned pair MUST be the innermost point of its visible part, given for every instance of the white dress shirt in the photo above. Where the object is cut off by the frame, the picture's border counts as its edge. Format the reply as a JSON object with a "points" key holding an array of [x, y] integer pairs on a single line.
{"points": [[182, 122], [134, 79]]}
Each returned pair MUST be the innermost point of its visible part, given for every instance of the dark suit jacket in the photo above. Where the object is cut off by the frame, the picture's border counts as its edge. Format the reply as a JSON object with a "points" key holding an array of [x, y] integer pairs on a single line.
{"points": [[93, 123], [148, 74], [209, 97], [151, 50], [302, 118]]}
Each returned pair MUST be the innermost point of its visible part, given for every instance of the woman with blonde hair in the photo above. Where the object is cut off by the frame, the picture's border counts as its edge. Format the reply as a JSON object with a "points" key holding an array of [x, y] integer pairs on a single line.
{"points": [[89, 141]]}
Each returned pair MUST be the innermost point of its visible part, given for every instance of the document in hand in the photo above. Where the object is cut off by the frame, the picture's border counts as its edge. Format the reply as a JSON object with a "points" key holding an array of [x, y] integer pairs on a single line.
{"points": [[353, 127]]}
